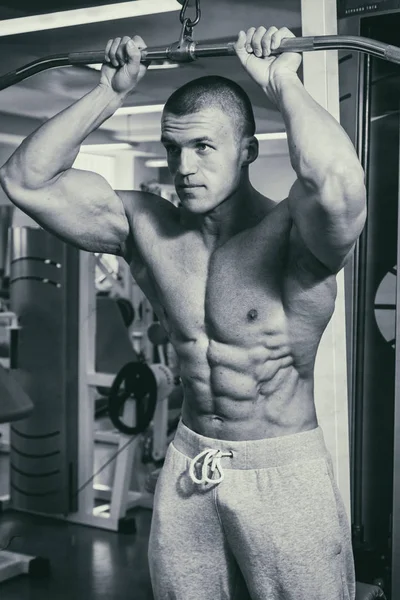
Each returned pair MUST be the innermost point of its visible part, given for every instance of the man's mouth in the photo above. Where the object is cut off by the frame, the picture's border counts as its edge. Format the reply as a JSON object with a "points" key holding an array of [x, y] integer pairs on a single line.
{"points": [[189, 186]]}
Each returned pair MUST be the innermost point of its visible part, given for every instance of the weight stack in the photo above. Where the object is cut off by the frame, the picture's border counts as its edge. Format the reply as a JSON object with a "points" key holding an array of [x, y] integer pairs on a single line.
{"points": [[44, 289]]}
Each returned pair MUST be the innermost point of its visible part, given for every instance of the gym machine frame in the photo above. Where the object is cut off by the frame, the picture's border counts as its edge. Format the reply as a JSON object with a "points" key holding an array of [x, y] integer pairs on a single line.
{"points": [[118, 499]]}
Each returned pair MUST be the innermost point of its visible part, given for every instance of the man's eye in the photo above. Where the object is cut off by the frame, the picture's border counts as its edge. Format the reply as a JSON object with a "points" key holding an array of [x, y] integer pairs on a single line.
{"points": [[203, 147], [172, 150]]}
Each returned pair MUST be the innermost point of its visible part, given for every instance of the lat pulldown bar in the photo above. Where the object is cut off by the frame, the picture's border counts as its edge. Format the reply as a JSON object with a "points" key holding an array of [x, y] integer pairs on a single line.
{"points": [[187, 50]]}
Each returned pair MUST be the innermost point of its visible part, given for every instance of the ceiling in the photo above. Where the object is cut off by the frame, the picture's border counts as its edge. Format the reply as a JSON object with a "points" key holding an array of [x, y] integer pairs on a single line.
{"points": [[25, 105], [27, 7]]}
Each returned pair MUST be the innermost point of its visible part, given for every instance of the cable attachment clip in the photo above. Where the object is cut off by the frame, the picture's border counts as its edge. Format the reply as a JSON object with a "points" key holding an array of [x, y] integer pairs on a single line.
{"points": [[182, 16], [184, 49]]}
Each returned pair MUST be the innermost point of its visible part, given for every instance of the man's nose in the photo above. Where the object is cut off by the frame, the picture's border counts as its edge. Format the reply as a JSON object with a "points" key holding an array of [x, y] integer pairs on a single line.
{"points": [[187, 163]]}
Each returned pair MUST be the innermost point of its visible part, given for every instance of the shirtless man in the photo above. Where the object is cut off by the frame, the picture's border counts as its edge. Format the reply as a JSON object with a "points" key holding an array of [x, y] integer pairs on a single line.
{"points": [[246, 505]]}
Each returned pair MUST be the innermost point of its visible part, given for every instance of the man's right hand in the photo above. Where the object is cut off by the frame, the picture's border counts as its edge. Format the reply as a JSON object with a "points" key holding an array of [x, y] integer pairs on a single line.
{"points": [[122, 69]]}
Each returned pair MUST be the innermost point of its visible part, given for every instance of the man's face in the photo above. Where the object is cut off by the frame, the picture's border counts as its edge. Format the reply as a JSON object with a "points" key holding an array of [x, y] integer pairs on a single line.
{"points": [[204, 157]]}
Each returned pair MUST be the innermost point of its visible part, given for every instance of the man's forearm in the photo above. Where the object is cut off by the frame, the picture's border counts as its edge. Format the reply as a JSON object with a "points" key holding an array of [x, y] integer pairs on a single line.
{"points": [[318, 145], [53, 147]]}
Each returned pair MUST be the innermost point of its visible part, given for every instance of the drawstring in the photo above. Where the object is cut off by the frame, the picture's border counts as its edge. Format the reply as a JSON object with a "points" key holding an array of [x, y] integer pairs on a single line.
{"points": [[210, 456]]}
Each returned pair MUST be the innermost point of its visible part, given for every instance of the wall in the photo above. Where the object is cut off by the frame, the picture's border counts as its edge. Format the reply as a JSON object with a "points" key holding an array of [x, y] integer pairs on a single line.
{"points": [[272, 175]]}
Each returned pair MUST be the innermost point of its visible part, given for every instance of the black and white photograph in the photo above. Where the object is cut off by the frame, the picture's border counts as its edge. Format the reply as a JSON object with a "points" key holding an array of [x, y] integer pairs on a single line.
{"points": [[199, 332]]}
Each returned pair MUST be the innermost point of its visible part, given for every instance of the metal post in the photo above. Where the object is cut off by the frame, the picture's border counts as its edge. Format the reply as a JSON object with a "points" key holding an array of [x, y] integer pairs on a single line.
{"points": [[321, 79], [396, 448], [87, 329], [358, 315]]}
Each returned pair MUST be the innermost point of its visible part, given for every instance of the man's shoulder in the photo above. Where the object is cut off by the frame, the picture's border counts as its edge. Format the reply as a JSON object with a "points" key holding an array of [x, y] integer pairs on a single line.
{"points": [[138, 199], [153, 221], [145, 207]]}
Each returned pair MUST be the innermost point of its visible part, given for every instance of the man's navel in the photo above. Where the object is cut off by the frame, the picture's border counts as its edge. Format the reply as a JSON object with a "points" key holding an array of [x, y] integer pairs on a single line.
{"points": [[252, 315]]}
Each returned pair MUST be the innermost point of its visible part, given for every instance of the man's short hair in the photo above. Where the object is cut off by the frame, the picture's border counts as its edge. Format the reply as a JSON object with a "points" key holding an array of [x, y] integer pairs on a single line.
{"points": [[214, 90]]}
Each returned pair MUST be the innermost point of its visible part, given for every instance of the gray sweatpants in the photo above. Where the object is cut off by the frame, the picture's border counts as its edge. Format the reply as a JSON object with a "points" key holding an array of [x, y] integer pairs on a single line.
{"points": [[260, 520]]}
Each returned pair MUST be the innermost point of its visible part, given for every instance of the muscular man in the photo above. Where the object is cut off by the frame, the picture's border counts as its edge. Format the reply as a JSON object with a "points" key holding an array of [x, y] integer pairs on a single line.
{"points": [[246, 505]]}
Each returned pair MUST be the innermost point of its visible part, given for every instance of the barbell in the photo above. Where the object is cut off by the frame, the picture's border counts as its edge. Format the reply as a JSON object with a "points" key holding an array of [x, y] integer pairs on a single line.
{"points": [[186, 50]]}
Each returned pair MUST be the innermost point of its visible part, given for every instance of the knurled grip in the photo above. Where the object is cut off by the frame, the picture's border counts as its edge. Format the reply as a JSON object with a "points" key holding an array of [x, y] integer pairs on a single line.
{"points": [[392, 54]]}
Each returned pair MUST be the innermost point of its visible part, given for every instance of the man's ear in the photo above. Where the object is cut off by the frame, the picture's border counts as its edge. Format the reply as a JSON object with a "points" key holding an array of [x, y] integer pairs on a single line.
{"points": [[251, 151]]}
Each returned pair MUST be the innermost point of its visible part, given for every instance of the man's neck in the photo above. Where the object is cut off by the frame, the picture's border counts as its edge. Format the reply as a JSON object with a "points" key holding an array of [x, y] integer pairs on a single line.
{"points": [[245, 207]]}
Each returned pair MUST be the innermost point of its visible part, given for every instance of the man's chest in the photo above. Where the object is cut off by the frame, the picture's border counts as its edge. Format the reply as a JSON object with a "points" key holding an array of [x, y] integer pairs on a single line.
{"points": [[225, 292]]}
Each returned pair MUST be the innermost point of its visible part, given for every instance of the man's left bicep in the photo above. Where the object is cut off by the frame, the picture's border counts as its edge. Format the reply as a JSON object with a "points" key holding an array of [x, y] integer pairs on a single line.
{"points": [[329, 218]]}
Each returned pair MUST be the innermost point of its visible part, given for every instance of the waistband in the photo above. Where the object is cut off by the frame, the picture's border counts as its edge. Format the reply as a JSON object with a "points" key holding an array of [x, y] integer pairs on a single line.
{"points": [[254, 454]]}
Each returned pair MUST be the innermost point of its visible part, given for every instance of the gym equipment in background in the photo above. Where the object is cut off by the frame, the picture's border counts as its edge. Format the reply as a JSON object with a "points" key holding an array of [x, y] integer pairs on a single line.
{"points": [[15, 405], [351, 8], [44, 295], [82, 347]]}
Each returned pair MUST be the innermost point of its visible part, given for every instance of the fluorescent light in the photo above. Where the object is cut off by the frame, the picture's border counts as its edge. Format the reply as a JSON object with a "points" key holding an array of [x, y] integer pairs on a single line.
{"points": [[279, 135], [153, 66], [163, 65], [11, 138], [388, 114], [146, 137], [106, 147], [139, 110], [155, 137], [112, 148], [82, 16], [156, 163]]}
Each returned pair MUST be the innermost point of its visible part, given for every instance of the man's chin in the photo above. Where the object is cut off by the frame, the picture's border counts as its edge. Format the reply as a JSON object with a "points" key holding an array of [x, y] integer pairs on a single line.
{"points": [[189, 197], [190, 192], [194, 204]]}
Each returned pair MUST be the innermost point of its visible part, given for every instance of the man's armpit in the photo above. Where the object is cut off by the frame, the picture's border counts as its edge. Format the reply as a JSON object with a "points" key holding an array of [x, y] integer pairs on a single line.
{"points": [[127, 248]]}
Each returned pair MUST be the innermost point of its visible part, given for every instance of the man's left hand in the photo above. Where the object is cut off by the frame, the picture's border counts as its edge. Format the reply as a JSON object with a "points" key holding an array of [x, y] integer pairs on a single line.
{"points": [[253, 48]]}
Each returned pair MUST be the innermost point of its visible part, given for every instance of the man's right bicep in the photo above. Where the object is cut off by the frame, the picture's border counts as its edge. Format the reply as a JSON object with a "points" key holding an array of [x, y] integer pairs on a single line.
{"points": [[80, 207]]}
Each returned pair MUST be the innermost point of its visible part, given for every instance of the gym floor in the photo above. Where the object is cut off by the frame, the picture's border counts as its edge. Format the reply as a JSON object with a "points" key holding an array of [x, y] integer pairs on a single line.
{"points": [[85, 562]]}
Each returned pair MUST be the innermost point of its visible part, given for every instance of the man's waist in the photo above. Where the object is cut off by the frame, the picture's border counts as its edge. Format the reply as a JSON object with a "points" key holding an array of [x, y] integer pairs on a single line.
{"points": [[253, 454], [287, 408]]}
